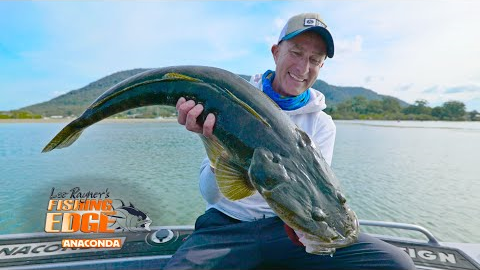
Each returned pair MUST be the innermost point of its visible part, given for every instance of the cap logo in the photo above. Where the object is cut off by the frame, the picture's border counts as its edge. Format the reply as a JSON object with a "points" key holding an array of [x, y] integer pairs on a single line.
{"points": [[313, 22]]}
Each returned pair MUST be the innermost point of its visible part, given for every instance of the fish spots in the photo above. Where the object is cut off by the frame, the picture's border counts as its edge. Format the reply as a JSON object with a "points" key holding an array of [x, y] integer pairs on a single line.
{"points": [[301, 144], [318, 214], [267, 170], [341, 198], [303, 139]]}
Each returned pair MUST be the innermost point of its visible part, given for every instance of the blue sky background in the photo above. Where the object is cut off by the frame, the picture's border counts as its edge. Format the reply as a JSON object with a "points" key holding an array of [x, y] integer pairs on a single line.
{"points": [[408, 49]]}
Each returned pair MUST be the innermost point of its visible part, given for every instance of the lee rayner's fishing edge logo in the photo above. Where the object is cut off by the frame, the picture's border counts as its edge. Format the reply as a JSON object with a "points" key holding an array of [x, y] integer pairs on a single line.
{"points": [[75, 211]]}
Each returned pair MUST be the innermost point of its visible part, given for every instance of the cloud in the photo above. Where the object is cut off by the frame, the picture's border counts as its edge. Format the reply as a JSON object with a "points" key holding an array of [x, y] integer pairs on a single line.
{"points": [[126, 35], [275, 29], [404, 87], [431, 90], [395, 48], [372, 79], [144, 34], [408, 46], [346, 46], [462, 89], [24, 93]]}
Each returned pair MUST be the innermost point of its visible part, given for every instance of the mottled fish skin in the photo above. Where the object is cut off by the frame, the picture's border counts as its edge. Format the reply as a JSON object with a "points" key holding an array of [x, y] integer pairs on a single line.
{"points": [[256, 147]]}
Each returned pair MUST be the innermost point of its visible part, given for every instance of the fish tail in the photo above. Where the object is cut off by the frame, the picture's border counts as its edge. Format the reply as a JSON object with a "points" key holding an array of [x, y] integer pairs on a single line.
{"points": [[64, 138]]}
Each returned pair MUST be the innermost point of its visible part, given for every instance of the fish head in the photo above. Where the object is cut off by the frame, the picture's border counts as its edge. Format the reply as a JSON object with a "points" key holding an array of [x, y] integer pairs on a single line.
{"points": [[302, 189]]}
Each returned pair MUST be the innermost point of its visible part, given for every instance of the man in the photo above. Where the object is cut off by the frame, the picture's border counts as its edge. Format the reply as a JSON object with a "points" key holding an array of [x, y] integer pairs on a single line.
{"points": [[247, 234]]}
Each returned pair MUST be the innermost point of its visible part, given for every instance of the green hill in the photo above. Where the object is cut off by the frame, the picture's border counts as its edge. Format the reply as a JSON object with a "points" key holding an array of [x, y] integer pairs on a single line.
{"points": [[75, 102]]}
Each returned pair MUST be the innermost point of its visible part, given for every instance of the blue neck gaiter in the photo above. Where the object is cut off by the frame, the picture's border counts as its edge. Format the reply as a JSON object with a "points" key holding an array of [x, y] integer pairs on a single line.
{"points": [[286, 103]]}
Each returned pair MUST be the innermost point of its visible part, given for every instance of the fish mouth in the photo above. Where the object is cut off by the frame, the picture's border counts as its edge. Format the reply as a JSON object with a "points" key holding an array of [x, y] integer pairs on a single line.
{"points": [[342, 241], [338, 241], [295, 214]]}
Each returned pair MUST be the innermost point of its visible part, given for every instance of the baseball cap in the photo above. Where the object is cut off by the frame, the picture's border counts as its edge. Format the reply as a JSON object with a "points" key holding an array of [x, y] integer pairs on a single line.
{"points": [[307, 22]]}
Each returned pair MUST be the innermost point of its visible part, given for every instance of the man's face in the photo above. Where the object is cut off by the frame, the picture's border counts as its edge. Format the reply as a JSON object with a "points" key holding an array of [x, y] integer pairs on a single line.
{"points": [[298, 62]]}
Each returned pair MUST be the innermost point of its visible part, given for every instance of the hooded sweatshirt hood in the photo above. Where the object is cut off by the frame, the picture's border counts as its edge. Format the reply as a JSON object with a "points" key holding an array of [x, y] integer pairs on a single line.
{"points": [[315, 104]]}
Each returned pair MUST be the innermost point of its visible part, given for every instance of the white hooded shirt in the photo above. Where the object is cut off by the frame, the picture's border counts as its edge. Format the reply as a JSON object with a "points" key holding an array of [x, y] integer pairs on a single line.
{"points": [[311, 119]]}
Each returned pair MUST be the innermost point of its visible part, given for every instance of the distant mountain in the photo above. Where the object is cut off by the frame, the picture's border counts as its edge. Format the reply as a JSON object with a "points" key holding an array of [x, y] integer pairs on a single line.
{"points": [[338, 94], [75, 102]]}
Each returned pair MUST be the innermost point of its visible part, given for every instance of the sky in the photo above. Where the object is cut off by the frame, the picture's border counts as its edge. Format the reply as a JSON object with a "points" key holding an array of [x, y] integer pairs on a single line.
{"points": [[404, 48]]}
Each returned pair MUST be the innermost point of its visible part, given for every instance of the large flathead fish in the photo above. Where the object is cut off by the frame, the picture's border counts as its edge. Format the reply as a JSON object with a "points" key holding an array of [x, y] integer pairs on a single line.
{"points": [[255, 147]]}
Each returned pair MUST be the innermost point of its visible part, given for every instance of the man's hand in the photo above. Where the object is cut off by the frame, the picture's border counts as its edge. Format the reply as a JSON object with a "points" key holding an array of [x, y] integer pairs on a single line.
{"points": [[188, 113]]}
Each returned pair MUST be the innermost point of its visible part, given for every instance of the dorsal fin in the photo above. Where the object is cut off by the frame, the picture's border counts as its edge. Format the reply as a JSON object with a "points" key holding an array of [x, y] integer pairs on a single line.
{"points": [[179, 77], [165, 78], [248, 108]]}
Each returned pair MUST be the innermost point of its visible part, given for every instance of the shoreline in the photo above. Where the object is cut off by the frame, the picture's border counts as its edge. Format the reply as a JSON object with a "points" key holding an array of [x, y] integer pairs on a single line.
{"points": [[174, 120], [108, 120]]}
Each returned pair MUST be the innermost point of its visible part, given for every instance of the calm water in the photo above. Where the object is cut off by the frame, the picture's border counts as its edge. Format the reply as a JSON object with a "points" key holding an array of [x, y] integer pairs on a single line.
{"points": [[426, 173]]}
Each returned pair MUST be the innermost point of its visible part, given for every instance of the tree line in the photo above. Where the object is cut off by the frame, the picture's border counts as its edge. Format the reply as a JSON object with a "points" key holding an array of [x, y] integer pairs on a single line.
{"points": [[19, 114], [390, 109], [357, 107]]}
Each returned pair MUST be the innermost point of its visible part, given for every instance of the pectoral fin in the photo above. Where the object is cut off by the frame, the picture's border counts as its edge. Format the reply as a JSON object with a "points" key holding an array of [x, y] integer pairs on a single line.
{"points": [[232, 179], [214, 149]]}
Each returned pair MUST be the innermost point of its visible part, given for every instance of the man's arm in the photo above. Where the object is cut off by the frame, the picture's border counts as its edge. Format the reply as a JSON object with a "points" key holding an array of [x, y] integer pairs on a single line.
{"points": [[324, 140], [208, 183]]}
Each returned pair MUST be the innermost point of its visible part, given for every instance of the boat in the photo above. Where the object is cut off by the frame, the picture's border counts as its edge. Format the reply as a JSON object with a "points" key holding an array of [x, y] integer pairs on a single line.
{"points": [[152, 249]]}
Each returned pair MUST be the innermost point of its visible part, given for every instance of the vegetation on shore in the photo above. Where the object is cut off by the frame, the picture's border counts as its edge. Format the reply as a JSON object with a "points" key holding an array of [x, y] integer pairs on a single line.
{"points": [[19, 115], [357, 107], [390, 109]]}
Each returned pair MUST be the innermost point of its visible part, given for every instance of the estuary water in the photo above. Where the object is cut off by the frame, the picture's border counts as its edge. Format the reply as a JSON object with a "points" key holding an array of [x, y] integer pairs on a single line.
{"points": [[425, 173]]}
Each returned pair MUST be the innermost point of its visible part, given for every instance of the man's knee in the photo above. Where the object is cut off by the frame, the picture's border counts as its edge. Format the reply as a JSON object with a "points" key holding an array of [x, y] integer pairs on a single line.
{"points": [[397, 259], [387, 256], [401, 261]]}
